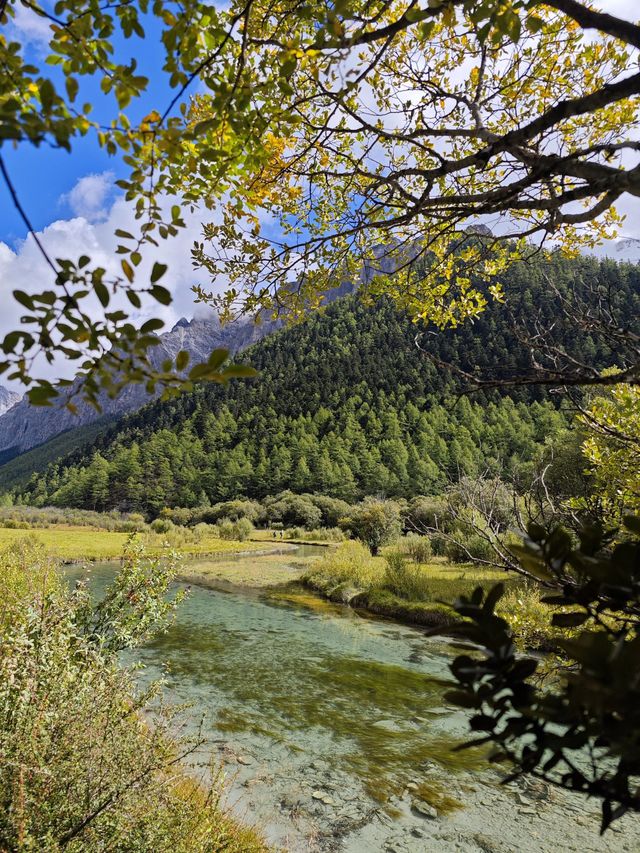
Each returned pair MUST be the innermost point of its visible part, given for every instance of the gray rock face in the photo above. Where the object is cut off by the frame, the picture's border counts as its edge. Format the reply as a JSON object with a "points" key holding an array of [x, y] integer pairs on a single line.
{"points": [[23, 426], [7, 399]]}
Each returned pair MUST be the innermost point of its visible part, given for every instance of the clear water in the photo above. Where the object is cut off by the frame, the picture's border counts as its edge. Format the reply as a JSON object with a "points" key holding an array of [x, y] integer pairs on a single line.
{"points": [[328, 725], [285, 679]]}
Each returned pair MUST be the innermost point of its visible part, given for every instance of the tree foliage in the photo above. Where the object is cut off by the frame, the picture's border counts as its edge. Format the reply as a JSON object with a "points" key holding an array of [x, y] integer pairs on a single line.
{"points": [[612, 448], [399, 126], [374, 522], [345, 406], [363, 129], [584, 734]]}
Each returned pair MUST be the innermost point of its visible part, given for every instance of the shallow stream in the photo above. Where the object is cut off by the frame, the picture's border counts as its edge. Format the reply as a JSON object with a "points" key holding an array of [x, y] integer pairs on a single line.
{"points": [[334, 735]]}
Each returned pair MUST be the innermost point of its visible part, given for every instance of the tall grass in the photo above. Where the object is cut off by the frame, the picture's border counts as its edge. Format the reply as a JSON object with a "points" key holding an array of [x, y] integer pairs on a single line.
{"points": [[404, 579]]}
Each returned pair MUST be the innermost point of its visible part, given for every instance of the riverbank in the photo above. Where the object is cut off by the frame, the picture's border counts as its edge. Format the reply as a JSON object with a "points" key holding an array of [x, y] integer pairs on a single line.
{"points": [[414, 594], [74, 544]]}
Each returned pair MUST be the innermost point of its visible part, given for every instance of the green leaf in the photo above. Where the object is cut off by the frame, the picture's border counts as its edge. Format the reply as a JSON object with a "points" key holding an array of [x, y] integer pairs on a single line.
{"points": [[161, 294], [157, 272], [240, 371], [24, 299], [47, 94], [102, 292], [42, 395], [182, 360], [152, 325]]}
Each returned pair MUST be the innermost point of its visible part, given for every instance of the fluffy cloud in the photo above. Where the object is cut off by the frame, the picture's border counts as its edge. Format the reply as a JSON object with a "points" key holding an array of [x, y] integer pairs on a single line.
{"points": [[90, 197], [23, 267]]}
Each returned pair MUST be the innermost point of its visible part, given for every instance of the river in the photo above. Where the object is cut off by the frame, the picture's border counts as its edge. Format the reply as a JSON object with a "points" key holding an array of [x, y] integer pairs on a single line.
{"points": [[334, 735]]}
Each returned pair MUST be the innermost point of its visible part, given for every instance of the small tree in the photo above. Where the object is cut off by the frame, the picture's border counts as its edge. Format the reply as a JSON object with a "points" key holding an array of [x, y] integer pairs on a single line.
{"points": [[375, 522]]}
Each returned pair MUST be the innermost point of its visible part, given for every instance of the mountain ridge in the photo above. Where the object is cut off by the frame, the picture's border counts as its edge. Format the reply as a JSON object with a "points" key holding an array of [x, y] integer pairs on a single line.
{"points": [[23, 427]]}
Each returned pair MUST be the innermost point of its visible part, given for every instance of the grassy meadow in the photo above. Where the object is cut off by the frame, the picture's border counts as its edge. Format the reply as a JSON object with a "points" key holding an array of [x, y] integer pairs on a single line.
{"points": [[71, 543]]}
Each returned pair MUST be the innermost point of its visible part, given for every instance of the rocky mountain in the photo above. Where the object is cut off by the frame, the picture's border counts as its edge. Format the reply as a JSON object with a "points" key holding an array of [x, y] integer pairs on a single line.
{"points": [[23, 426], [7, 399]]}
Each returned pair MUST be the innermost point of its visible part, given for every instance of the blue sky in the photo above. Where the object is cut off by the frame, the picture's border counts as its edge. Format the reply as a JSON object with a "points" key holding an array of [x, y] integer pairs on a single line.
{"points": [[45, 176], [71, 198]]}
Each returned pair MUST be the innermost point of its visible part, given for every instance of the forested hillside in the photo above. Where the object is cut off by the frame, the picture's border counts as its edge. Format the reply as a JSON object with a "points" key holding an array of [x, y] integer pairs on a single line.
{"points": [[345, 405]]}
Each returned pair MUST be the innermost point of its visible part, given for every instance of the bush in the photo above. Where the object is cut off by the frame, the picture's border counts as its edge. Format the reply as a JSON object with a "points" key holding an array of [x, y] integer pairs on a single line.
{"points": [[418, 548], [179, 515], [82, 769], [239, 530], [231, 510], [350, 563], [28, 517], [292, 511], [332, 509], [162, 525], [321, 534], [467, 547], [375, 522], [404, 579], [424, 513], [438, 545], [12, 524]]}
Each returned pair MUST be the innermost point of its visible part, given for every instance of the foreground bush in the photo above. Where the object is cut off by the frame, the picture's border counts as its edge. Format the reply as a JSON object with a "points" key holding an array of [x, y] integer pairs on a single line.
{"points": [[81, 768]]}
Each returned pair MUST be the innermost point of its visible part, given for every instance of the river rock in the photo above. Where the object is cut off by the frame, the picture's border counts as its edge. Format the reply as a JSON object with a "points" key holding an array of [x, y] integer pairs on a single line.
{"points": [[424, 809], [388, 726]]}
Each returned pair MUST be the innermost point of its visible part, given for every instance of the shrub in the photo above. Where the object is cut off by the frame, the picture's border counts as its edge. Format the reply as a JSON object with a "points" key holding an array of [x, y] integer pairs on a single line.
{"points": [[375, 522], [239, 530], [350, 562], [321, 534], [529, 617], [467, 547], [162, 525], [418, 548], [438, 545], [231, 510], [404, 579], [332, 509], [82, 768], [424, 513]]}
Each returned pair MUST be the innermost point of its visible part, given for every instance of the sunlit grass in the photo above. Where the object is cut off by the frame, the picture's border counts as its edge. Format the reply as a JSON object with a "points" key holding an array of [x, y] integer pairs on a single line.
{"points": [[67, 542]]}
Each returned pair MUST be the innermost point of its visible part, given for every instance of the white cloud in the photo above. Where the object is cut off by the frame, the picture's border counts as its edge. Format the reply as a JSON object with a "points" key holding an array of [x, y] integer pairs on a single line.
{"points": [[90, 197], [29, 27], [23, 267]]}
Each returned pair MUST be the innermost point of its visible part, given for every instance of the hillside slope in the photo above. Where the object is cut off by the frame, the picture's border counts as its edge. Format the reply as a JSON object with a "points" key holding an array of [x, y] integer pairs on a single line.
{"points": [[24, 427], [344, 405]]}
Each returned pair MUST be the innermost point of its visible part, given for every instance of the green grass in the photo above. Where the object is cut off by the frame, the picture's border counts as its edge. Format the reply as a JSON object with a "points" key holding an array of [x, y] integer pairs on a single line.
{"points": [[350, 573], [254, 571], [70, 543]]}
